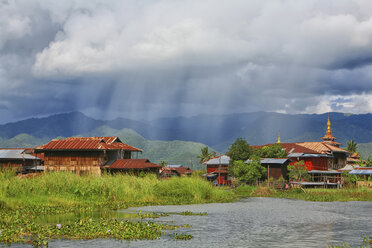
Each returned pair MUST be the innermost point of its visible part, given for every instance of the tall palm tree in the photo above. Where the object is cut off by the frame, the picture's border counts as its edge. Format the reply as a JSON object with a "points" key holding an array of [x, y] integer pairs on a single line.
{"points": [[205, 154], [351, 146]]}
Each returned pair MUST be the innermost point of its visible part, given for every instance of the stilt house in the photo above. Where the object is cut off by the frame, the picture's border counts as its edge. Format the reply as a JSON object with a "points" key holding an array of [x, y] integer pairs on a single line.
{"points": [[217, 170], [84, 155], [175, 170], [15, 158]]}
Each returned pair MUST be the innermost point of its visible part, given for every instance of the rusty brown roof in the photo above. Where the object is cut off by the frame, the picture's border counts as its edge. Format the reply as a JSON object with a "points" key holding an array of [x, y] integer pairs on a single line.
{"points": [[87, 143], [355, 155], [321, 147], [309, 147], [133, 164], [292, 148], [180, 170]]}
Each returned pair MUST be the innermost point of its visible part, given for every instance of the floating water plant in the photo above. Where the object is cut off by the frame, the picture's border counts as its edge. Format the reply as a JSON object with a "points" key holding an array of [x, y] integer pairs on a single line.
{"points": [[182, 236], [191, 213]]}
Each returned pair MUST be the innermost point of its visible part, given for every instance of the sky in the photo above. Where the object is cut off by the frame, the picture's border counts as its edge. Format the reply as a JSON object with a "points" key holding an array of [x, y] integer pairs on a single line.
{"points": [[144, 59]]}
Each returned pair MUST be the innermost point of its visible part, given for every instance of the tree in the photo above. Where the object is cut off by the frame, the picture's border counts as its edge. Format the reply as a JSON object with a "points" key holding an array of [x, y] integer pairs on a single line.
{"points": [[351, 146], [249, 172], [163, 163], [365, 163], [298, 171], [239, 150], [205, 154], [272, 151]]}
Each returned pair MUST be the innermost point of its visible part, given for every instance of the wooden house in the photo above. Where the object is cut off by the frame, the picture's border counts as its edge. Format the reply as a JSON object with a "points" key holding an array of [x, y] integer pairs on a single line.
{"points": [[168, 172], [217, 170], [15, 158], [175, 170], [83, 155]]}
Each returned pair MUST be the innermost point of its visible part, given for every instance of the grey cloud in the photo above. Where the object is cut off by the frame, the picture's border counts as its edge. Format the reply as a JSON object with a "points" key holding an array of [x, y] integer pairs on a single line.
{"points": [[144, 59]]}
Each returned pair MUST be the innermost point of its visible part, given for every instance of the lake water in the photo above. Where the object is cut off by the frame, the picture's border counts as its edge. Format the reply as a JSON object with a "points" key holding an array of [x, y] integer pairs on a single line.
{"points": [[255, 222]]}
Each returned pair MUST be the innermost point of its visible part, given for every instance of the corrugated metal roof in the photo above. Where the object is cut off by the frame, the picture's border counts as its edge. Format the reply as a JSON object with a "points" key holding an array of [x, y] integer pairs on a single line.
{"points": [[180, 170], [133, 164], [223, 160], [291, 148], [361, 172], [183, 170], [169, 170], [305, 155], [87, 143], [321, 147], [174, 165], [352, 160], [36, 168], [309, 148], [296, 148], [355, 155], [15, 154], [324, 172], [270, 160], [107, 140], [274, 160]]}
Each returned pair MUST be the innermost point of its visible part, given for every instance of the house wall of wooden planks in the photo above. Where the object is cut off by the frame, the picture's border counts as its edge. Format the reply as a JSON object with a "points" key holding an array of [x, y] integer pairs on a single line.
{"points": [[80, 162]]}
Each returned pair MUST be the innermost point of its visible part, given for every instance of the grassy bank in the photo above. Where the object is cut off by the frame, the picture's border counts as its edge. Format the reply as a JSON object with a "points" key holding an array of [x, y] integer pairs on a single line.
{"points": [[323, 195], [327, 195], [22, 200], [113, 191]]}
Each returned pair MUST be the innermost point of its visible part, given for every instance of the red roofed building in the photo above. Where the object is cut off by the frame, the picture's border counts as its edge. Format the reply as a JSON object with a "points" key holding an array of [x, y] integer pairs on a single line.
{"points": [[323, 156], [83, 154], [134, 166], [175, 170], [217, 170]]}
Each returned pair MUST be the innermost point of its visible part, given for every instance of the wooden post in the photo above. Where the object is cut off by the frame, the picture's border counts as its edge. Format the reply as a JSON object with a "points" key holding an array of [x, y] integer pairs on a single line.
{"points": [[219, 172]]}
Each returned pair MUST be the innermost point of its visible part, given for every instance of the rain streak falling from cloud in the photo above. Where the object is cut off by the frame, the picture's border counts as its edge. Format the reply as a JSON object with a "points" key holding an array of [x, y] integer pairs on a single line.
{"points": [[147, 59]]}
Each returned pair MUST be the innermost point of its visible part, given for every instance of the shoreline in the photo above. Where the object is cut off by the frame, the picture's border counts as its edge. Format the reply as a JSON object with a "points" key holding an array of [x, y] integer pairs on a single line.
{"points": [[22, 200]]}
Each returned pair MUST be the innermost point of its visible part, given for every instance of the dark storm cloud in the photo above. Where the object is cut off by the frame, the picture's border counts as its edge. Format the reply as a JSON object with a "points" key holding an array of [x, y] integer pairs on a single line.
{"points": [[144, 59]]}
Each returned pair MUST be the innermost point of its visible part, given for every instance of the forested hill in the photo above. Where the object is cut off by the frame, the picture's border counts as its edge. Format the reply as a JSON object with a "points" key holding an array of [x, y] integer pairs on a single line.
{"points": [[217, 131]]}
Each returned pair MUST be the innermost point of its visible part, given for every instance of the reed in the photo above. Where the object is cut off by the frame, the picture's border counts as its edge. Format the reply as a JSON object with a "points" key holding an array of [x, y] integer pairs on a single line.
{"points": [[322, 195], [327, 195], [68, 189]]}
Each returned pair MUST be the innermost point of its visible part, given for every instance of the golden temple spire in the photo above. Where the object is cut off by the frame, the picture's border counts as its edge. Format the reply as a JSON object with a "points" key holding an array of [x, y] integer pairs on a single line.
{"points": [[278, 138], [329, 132], [328, 136]]}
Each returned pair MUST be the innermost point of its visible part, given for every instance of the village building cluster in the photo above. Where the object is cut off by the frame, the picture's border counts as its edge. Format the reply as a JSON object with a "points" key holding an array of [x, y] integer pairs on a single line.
{"points": [[325, 160]]}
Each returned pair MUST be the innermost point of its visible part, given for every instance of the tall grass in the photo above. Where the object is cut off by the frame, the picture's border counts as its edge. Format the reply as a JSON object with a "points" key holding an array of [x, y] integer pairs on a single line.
{"points": [[68, 189], [344, 194], [322, 195]]}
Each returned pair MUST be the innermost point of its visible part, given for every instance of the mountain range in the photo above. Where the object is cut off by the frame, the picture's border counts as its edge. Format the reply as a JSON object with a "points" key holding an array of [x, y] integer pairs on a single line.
{"points": [[215, 131]]}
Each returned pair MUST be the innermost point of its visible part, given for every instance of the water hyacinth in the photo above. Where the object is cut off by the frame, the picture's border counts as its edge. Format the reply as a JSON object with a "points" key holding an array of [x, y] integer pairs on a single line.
{"points": [[20, 227], [23, 200]]}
